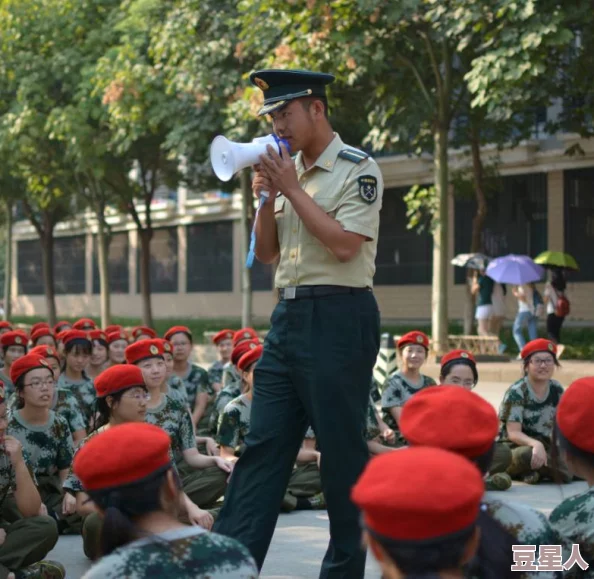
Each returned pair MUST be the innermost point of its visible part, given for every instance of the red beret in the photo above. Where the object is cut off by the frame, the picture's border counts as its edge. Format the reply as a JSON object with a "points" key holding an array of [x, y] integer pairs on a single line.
{"points": [[166, 345], [241, 349], [457, 355], [574, 414], [14, 338], [249, 358], [177, 330], [113, 328], [538, 345], [39, 326], [144, 330], [449, 417], [142, 350], [414, 338], [401, 500], [244, 334], [117, 378], [45, 352], [116, 335], [40, 333], [97, 335], [61, 326], [84, 324], [71, 335], [222, 335], [122, 455], [25, 364], [4, 325]]}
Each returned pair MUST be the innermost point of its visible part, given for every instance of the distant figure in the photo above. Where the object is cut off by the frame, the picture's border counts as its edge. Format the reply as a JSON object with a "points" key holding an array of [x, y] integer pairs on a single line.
{"points": [[482, 287], [526, 314], [557, 304], [498, 308]]}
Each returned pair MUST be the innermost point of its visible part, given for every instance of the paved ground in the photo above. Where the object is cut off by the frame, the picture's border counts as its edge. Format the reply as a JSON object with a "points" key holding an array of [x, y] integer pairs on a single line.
{"points": [[301, 538]]}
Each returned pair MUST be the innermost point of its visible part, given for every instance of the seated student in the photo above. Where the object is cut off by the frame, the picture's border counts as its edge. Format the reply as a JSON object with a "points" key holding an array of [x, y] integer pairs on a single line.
{"points": [[223, 340], [122, 398], [98, 360], [413, 527], [204, 478], [62, 327], [460, 421], [45, 436], [230, 373], [135, 487], [14, 346], [143, 333], [5, 326], [407, 381], [458, 368], [28, 537], [573, 518], [84, 324], [305, 486], [43, 337], [39, 326], [174, 386], [527, 415], [117, 342]]}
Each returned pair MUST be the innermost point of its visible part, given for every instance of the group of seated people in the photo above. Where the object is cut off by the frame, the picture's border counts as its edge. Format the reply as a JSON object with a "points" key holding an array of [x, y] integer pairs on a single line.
{"points": [[84, 411]]}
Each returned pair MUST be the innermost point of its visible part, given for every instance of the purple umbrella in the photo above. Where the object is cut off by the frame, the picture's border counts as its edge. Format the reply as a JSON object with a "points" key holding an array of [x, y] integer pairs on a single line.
{"points": [[515, 269]]}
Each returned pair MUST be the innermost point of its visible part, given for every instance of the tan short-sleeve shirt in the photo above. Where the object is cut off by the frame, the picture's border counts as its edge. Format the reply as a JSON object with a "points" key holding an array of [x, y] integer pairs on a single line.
{"points": [[349, 190]]}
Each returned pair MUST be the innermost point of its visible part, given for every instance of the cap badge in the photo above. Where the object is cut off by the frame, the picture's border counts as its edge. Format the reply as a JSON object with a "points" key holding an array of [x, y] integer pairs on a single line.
{"points": [[420, 339], [167, 347], [18, 340], [247, 335], [262, 84], [102, 337], [229, 335], [551, 347], [463, 355], [253, 346], [154, 350], [49, 351]]}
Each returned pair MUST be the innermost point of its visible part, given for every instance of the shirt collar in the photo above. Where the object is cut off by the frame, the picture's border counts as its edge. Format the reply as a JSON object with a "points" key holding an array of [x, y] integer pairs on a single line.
{"points": [[327, 160]]}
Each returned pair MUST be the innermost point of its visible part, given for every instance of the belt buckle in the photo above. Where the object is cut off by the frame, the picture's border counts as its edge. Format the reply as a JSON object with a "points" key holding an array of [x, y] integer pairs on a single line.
{"points": [[289, 293]]}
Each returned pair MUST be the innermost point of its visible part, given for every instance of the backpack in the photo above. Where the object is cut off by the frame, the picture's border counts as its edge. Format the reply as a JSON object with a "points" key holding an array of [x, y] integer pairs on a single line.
{"points": [[538, 303], [562, 308]]}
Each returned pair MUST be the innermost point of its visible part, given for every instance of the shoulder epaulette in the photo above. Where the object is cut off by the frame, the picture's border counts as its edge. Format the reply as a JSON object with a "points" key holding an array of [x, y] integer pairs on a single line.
{"points": [[353, 155]]}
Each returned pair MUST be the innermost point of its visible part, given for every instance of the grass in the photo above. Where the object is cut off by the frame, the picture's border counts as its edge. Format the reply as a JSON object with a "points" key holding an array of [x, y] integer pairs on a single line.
{"points": [[579, 342]]}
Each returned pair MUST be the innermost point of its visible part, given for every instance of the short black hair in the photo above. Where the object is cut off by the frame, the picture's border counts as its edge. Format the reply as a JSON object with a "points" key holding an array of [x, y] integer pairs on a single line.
{"points": [[306, 102], [447, 367]]}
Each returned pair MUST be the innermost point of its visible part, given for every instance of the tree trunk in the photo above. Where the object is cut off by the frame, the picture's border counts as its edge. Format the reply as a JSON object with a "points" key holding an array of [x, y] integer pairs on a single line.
{"points": [[47, 262], [439, 299], [246, 280], [102, 253], [145, 236], [8, 264]]}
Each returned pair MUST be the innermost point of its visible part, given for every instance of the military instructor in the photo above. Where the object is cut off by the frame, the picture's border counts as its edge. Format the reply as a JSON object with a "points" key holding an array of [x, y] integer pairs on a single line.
{"points": [[321, 222]]}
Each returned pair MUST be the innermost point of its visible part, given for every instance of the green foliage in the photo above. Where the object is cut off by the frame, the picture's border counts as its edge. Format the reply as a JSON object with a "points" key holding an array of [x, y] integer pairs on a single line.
{"points": [[421, 208]]}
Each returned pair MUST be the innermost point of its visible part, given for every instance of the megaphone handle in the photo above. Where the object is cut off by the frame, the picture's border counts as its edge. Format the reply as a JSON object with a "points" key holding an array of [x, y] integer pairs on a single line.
{"points": [[252, 249]]}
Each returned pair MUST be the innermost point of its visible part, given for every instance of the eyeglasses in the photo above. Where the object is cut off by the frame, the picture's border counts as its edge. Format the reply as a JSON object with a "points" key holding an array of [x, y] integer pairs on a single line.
{"points": [[138, 396], [542, 361], [466, 383], [37, 384]]}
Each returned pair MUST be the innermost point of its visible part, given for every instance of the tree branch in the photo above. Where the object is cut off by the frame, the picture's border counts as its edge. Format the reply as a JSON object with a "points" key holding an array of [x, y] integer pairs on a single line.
{"points": [[415, 71], [31, 217], [434, 64], [448, 72]]}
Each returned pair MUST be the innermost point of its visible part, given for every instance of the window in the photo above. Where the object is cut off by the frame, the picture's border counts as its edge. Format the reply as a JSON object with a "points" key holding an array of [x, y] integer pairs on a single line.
{"points": [[210, 257], [69, 265], [117, 263], [579, 220], [404, 257], [164, 263], [29, 268], [516, 219]]}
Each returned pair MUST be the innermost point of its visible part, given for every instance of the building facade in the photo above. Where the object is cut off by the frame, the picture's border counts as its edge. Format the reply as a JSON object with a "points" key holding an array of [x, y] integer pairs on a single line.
{"points": [[543, 199]]}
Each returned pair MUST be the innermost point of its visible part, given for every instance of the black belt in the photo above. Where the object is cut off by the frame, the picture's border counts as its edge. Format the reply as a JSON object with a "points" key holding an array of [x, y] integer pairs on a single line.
{"points": [[317, 291]]}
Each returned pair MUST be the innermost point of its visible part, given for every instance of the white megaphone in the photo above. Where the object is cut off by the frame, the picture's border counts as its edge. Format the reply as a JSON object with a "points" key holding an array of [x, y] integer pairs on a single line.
{"points": [[227, 157]]}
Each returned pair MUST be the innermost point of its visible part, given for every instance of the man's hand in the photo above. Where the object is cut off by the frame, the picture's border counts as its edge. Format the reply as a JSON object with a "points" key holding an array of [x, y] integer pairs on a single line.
{"points": [[262, 182], [212, 448], [68, 504], [539, 456], [14, 449], [281, 171], [199, 517]]}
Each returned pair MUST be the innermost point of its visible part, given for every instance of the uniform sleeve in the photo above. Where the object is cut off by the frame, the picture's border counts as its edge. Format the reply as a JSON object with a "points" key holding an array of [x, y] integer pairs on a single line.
{"points": [[202, 381], [372, 430], [228, 433], [361, 201], [392, 395], [512, 407], [186, 431], [65, 450], [72, 483]]}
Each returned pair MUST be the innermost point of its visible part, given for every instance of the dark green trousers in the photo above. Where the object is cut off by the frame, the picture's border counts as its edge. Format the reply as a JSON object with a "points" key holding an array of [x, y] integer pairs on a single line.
{"points": [[305, 482], [52, 496], [520, 465], [27, 541], [91, 535], [316, 369], [204, 486], [502, 458]]}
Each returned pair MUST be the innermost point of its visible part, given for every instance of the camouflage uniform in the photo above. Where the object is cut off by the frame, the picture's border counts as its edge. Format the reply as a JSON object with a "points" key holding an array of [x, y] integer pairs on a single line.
{"points": [[181, 553], [227, 393], [8, 385], [396, 392], [204, 486], [234, 423], [537, 418], [196, 382], [83, 391], [230, 374], [177, 390], [215, 372], [372, 429], [573, 521], [28, 540]]}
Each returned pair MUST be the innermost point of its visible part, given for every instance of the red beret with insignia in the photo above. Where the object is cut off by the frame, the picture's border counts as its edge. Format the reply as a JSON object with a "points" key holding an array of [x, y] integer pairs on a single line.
{"points": [[71, 335], [84, 324], [574, 414], [25, 364], [178, 330], [41, 333], [45, 352], [400, 499], [244, 334], [118, 378], [457, 355], [14, 338], [116, 335], [144, 349], [539, 345], [39, 326], [222, 335], [251, 356], [62, 326], [166, 345], [99, 335], [449, 417], [4, 325], [113, 328], [415, 337], [241, 349], [122, 455], [144, 331]]}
